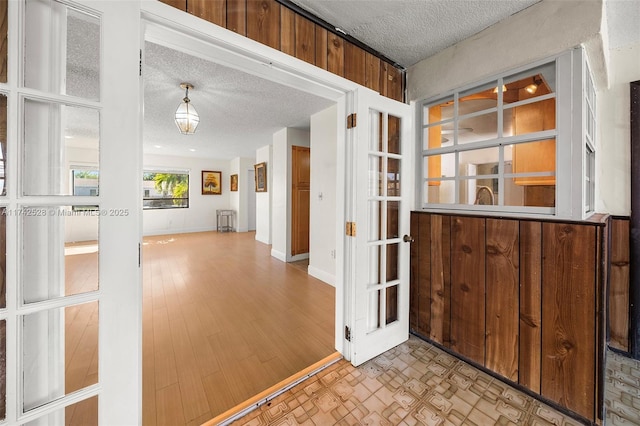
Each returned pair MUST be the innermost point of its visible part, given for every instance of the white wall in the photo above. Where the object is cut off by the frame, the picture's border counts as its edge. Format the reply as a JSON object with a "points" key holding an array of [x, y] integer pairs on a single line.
{"points": [[80, 227], [201, 214], [283, 140], [238, 199], [613, 155], [542, 30], [263, 199], [322, 238]]}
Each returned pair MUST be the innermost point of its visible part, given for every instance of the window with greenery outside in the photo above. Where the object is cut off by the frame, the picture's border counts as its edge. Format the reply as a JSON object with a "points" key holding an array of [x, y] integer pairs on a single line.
{"points": [[165, 190]]}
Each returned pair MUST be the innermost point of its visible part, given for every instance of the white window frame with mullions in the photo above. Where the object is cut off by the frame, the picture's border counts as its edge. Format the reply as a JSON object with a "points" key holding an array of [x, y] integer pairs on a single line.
{"points": [[573, 133]]}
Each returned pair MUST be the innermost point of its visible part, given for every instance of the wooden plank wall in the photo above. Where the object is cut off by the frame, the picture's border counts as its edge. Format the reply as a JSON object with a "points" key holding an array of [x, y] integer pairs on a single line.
{"points": [[619, 285], [270, 23], [518, 297]]}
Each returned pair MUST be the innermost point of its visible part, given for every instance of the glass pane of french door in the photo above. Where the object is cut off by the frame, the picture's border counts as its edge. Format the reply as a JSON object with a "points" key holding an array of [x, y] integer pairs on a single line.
{"points": [[381, 281], [59, 341]]}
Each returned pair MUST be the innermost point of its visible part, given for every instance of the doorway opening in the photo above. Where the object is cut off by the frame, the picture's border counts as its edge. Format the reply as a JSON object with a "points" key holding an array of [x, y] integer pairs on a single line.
{"points": [[222, 318]]}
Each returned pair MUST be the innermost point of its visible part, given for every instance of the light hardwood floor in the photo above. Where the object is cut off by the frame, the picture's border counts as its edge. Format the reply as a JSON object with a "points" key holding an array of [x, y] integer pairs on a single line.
{"points": [[222, 321]]}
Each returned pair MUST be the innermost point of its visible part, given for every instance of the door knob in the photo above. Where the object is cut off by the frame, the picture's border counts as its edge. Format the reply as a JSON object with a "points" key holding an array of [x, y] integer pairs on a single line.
{"points": [[408, 239]]}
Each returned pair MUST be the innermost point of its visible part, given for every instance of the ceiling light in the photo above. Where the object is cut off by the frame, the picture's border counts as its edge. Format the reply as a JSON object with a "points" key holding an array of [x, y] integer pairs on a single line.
{"points": [[504, 89], [187, 118], [531, 88]]}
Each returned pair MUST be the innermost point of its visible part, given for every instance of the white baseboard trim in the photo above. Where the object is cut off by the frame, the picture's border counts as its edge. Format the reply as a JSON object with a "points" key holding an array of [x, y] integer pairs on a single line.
{"points": [[322, 275], [278, 255], [299, 257]]}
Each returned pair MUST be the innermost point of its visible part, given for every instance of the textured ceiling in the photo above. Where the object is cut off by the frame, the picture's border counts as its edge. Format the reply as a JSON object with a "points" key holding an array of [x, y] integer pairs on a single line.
{"points": [[238, 112], [623, 20], [408, 31]]}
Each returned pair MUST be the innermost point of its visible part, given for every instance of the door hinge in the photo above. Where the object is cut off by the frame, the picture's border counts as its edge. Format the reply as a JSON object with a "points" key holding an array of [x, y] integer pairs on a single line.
{"points": [[350, 229], [351, 120], [140, 65], [139, 255], [347, 333]]}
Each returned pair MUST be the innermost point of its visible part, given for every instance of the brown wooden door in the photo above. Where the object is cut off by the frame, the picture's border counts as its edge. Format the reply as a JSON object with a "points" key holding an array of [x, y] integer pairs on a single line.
{"points": [[300, 192]]}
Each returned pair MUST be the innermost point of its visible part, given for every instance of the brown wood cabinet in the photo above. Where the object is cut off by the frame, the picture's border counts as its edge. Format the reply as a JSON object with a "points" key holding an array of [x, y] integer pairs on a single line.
{"points": [[521, 298], [270, 23]]}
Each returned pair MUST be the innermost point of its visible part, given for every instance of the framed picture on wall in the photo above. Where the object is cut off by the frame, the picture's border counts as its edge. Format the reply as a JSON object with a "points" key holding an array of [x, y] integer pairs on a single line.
{"points": [[234, 183], [211, 182], [261, 177]]}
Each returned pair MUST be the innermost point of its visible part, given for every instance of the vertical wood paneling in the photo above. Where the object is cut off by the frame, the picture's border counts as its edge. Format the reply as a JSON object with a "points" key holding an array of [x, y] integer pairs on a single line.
{"points": [[263, 22], [305, 39], [440, 279], [424, 273], [414, 271], [530, 304], [179, 4], [321, 47], [354, 63], [269, 23], [391, 82], [502, 280], [210, 10], [468, 287], [568, 316], [619, 285], [602, 252], [335, 54], [372, 72], [237, 16], [287, 31]]}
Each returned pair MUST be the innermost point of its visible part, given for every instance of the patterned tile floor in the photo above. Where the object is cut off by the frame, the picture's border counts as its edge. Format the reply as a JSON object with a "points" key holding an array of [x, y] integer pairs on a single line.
{"points": [[622, 391], [412, 384]]}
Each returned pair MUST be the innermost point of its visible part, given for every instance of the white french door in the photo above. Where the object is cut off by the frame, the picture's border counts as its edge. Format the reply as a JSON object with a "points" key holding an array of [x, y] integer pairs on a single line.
{"points": [[383, 193], [72, 208]]}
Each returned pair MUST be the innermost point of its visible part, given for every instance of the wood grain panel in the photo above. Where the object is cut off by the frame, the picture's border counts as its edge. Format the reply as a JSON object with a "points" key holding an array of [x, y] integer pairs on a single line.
{"points": [[305, 39], [263, 22], [300, 199], [414, 271], [354, 63], [441, 279], [530, 304], [568, 316], [619, 285], [287, 31], [335, 54], [422, 246], [321, 47], [237, 16], [391, 82], [372, 72], [210, 10], [502, 280], [468, 287], [179, 4]]}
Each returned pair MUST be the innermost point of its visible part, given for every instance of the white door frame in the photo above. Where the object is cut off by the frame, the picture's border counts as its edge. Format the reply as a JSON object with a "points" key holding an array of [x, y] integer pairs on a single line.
{"points": [[173, 28]]}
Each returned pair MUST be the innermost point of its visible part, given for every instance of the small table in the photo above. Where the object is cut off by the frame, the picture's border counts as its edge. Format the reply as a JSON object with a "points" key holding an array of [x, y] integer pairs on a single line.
{"points": [[224, 220]]}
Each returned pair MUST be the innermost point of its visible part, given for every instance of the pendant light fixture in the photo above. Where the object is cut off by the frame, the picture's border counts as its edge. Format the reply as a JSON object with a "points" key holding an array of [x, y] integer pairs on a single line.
{"points": [[187, 118]]}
